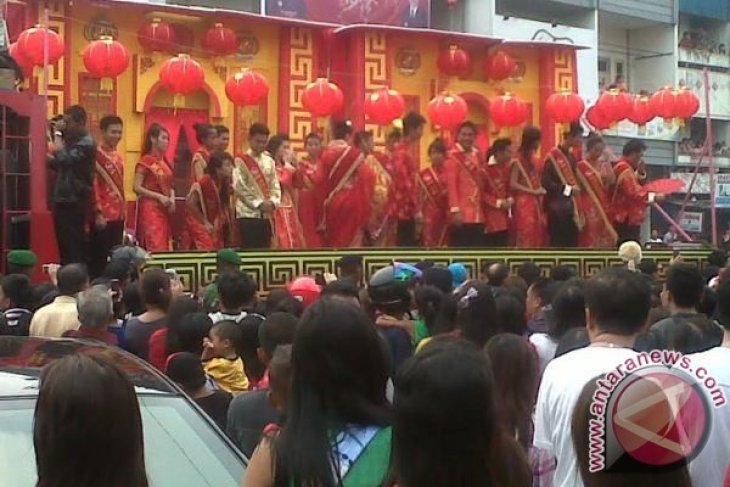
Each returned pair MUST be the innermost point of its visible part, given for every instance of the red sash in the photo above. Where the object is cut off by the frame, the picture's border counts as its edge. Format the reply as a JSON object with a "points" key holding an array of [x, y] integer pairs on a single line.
{"points": [[211, 198], [258, 175], [432, 186], [471, 164], [109, 169], [592, 184], [201, 154], [567, 176], [161, 171]]}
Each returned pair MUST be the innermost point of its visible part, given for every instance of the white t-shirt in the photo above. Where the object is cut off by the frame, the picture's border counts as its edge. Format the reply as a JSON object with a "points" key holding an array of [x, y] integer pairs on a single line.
{"points": [[711, 464], [561, 385], [545, 346]]}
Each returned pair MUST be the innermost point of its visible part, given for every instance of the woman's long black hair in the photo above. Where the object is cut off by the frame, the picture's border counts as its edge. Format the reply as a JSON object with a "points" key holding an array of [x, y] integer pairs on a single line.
{"points": [[531, 137], [153, 132], [338, 379]]}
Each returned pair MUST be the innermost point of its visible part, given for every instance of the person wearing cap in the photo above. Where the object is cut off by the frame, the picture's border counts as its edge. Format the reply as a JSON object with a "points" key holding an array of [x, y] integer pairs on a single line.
{"points": [[562, 201], [227, 261], [22, 262], [344, 181], [459, 274]]}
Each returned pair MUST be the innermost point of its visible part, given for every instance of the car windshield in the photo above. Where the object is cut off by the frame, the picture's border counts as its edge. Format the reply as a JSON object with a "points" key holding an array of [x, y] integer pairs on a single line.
{"points": [[181, 449]]}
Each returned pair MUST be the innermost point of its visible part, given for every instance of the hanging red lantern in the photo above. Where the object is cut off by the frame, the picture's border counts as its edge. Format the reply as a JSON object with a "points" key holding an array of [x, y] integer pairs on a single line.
{"points": [[322, 98], [615, 105], [182, 75], [220, 40], [384, 106], [447, 110], [452, 3], [454, 61], [641, 112], [508, 111], [31, 45], [596, 119], [664, 103], [499, 66], [687, 103], [106, 58], [156, 36], [565, 106], [25, 65], [247, 88]]}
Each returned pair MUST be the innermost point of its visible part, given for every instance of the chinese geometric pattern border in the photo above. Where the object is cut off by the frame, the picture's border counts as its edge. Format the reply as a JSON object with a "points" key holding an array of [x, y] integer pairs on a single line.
{"points": [[301, 73], [377, 76], [274, 269]]}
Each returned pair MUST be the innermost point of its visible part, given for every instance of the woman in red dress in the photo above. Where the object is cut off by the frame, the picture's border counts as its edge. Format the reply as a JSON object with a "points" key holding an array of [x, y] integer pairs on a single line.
{"points": [[207, 137], [155, 196], [309, 202], [288, 232], [207, 203], [594, 178], [528, 226]]}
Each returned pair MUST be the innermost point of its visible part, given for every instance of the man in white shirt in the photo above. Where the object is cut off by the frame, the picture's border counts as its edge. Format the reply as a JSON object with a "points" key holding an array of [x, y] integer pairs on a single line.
{"points": [[712, 463], [618, 303], [257, 189], [55, 319]]}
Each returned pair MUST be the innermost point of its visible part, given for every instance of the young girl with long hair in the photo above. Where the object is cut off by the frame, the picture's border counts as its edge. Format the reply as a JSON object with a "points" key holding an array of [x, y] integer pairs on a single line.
{"points": [[208, 202], [207, 136], [529, 226], [287, 229]]}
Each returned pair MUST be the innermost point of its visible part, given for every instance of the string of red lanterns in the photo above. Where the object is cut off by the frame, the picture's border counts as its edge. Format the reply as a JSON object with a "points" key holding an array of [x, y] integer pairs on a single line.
{"points": [[247, 88], [447, 111], [641, 111], [508, 111], [31, 42], [596, 119], [384, 106], [565, 106], [105, 58], [181, 75], [614, 105], [322, 98]]}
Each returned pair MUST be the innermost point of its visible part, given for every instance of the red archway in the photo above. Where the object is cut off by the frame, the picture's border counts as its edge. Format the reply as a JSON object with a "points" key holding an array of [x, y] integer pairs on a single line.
{"points": [[481, 101], [215, 103]]}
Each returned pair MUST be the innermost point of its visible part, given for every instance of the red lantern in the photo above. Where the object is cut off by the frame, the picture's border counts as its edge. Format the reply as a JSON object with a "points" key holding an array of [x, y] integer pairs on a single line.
{"points": [[614, 105], [106, 58], [31, 44], [220, 40], [454, 61], [182, 75], [508, 111], [25, 65], [384, 106], [247, 88], [565, 106], [596, 118], [641, 112], [322, 98], [687, 103], [156, 35], [447, 111], [664, 103], [499, 66]]}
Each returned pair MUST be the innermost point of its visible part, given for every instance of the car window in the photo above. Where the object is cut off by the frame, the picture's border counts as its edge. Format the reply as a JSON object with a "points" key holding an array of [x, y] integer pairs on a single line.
{"points": [[181, 449]]}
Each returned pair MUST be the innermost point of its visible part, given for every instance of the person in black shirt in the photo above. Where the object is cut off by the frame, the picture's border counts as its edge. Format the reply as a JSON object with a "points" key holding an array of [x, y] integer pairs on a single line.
{"points": [[73, 160], [186, 370]]}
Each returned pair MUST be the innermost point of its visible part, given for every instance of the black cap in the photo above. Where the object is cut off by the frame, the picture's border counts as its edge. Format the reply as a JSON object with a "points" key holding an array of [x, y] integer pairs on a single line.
{"points": [[439, 277]]}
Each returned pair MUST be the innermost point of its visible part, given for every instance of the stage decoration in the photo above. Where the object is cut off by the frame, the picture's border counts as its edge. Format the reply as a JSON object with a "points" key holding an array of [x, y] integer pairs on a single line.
{"points": [[106, 59], [454, 61], [614, 105], [220, 40], [408, 61], [664, 186], [31, 45], [246, 88], [687, 103], [447, 110], [664, 104], [384, 106], [641, 112], [499, 66], [156, 36], [25, 64], [182, 76], [565, 106], [596, 119], [508, 110], [322, 98]]}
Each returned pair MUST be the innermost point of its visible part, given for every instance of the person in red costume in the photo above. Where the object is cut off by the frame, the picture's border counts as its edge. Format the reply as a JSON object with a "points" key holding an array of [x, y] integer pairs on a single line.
{"points": [[434, 198], [310, 201], [629, 200], [343, 177], [153, 180], [497, 200], [108, 202], [464, 180], [207, 137], [207, 203], [406, 168], [595, 178], [528, 226], [288, 232]]}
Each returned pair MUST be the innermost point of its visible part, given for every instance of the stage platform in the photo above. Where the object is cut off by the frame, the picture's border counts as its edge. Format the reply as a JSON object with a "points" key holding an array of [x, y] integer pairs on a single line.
{"points": [[274, 268]]}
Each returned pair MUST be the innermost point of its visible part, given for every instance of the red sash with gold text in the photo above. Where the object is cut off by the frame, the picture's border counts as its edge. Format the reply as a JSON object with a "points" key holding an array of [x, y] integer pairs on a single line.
{"points": [[258, 175], [567, 176], [161, 171], [592, 184], [471, 164], [432, 186], [108, 168]]}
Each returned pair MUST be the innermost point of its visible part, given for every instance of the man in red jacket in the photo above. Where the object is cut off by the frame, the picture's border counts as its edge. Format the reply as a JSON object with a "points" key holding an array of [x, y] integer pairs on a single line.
{"points": [[630, 199], [406, 166], [497, 201]]}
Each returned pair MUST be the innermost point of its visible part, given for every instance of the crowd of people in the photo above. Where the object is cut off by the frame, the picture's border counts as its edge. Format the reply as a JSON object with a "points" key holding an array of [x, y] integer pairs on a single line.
{"points": [[345, 193], [423, 375]]}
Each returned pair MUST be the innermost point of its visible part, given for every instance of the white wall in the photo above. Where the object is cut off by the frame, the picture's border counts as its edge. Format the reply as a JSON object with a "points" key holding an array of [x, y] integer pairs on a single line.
{"points": [[478, 16], [653, 62], [613, 45]]}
